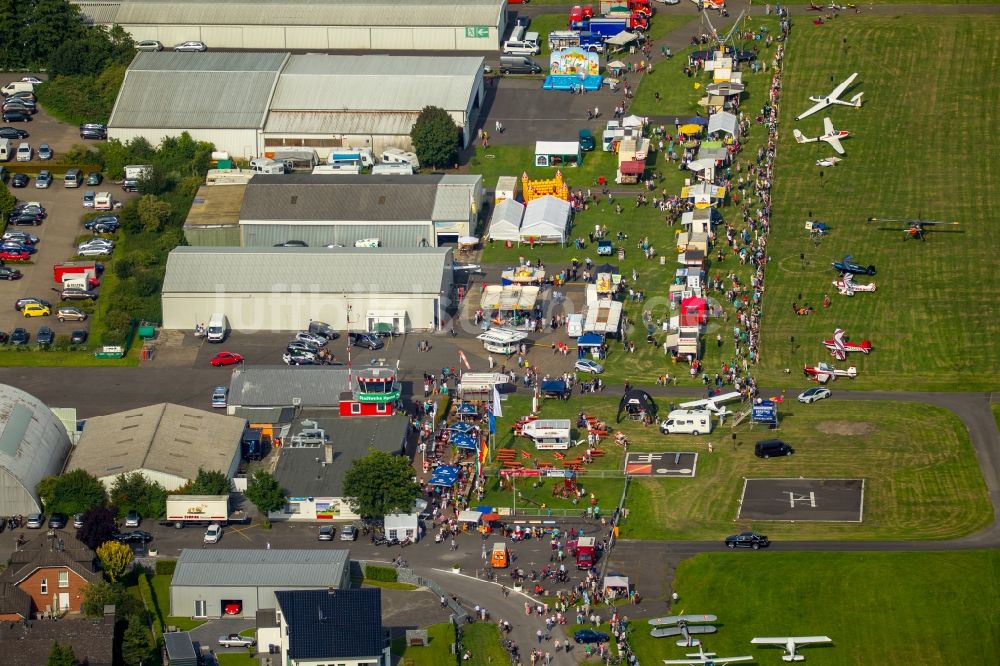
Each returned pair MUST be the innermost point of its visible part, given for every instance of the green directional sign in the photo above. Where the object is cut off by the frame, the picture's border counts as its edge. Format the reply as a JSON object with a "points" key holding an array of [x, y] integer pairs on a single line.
{"points": [[477, 32]]}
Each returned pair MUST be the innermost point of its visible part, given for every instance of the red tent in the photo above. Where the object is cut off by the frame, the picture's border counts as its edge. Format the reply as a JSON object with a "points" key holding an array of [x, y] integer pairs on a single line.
{"points": [[694, 311]]}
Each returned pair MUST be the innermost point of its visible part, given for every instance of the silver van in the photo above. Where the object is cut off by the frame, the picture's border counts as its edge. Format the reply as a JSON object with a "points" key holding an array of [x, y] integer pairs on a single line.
{"points": [[73, 178], [518, 64]]}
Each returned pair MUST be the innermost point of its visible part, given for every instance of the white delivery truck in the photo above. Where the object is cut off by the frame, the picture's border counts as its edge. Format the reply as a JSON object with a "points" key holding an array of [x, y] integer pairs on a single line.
{"points": [[133, 174], [18, 86], [687, 422], [200, 510], [218, 328]]}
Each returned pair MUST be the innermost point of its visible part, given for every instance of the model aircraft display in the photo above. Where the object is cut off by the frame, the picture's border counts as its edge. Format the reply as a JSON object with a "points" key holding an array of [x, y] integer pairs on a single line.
{"points": [[831, 135], [834, 96], [847, 265], [713, 404], [681, 625], [828, 162], [702, 657], [791, 643], [840, 348], [824, 372], [846, 286], [914, 229]]}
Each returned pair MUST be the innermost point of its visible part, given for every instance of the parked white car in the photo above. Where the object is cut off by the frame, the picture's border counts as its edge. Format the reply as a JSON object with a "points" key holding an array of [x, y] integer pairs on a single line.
{"points": [[586, 365], [213, 533]]}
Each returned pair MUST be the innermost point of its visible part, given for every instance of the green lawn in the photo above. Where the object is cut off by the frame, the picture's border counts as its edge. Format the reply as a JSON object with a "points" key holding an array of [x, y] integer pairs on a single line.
{"points": [[879, 608], [483, 641], [436, 652], [922, 480], [932, 320], [161, 599], [236, 659]]}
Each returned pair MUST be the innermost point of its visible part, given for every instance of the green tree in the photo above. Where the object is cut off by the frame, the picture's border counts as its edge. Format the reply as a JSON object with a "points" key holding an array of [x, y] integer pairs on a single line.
{"points": [[208, 482], [133, 491], [265, 492], [115, 558], [153, 213], [7, 200], [61, 655], [136, 646], [435, 137], [73, 492], [380, 483], [50, 24], [98, 594]]}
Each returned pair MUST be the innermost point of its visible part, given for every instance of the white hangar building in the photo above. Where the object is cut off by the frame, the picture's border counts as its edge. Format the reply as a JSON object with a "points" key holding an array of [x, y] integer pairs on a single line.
{"points": [[321, 209], [250, 103], [430, 25], [33, 445], [283, 288]]}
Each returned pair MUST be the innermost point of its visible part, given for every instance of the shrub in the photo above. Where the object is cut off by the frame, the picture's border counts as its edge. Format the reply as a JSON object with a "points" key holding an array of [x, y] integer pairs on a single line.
{"points": [[382, 574], [165, 567]]}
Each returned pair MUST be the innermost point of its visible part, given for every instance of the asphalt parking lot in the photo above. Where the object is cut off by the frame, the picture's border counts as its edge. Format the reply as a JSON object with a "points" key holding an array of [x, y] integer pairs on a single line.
{"points": [[57, 234]]}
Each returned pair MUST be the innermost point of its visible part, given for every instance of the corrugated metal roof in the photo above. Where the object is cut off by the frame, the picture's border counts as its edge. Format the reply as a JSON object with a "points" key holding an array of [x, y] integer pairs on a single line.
{"points": [[278, 385], [321, 197], [454, 201], [418, 270], [197, 90], [99, 13], [231, 567], [388, 123], [313, 12], [164, 437], [395, 235], [376, 82], [215, 205]]}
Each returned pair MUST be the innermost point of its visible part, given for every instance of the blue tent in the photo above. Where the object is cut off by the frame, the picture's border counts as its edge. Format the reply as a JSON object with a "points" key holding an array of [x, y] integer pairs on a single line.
{"points": [[692, 120], [467, 409], [586, 342], [461, 426], [444, 475], [463, 440]]}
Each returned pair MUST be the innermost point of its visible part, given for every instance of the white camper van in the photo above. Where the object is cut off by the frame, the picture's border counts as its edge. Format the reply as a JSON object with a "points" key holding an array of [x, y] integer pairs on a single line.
{"points": [[687, 422], [574, 325], [392, 170], [218, 328]]}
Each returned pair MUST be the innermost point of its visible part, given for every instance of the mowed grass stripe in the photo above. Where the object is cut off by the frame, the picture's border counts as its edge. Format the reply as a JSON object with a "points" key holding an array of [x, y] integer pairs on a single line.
{"points": [[922, 146]]}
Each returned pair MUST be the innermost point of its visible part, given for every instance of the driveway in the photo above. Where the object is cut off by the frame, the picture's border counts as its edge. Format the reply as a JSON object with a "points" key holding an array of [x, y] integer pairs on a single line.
{"points": [[207, 635]]}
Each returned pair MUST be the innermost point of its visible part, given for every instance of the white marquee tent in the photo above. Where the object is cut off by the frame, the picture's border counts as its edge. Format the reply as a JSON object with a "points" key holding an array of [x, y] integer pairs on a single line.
{"points": [[545, 220], [722, 122], [506, 221]]}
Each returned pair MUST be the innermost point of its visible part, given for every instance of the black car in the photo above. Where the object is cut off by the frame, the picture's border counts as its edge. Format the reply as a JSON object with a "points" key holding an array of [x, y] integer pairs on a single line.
{"points": [[45, 336], [12, 133], [134, 536], [19, 336], [102, 224], [93, 131], [16, 117], [747, 540], [78, 337], [8, 273], [19, 180], [57, 521], [364, 339], [590, 636], [292, 243], [21, 302], [772, 448], [27, 219], [323, 329]]}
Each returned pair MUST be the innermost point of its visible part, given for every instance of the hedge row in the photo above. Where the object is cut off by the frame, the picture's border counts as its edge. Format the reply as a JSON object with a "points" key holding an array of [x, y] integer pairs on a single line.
{"points": [[383, 574]]}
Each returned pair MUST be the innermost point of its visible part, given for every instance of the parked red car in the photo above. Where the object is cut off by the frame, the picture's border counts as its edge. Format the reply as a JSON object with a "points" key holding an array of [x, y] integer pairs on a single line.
{"points": [[13, 255], [226, 358]]}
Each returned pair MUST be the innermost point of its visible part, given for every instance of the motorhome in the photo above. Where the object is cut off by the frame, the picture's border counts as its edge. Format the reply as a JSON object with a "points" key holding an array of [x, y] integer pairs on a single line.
{"points": [[397, 156], [266, 165], [342, 169], [549, 434], [687, 422], [6, 150], [479, 386], [361, 157], [392, 170], [502, 340]]}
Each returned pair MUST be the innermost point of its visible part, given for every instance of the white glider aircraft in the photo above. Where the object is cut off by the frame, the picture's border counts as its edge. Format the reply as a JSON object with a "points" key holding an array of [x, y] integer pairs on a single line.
{"points": [[713, 404], [830, 135], [702, 657], [833, 98], [791, 643]]}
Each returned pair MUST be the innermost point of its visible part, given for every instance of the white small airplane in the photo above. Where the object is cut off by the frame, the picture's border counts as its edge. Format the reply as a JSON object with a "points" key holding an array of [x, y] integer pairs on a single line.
{"points": [[824, 372], [830, 135], [833, 98], [791, 643], [713, 404], [702, 657], [685, 626], [828, 162]]}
